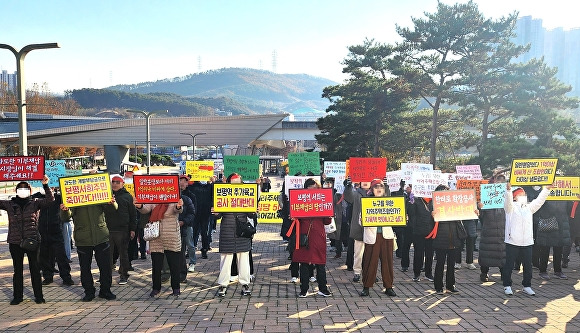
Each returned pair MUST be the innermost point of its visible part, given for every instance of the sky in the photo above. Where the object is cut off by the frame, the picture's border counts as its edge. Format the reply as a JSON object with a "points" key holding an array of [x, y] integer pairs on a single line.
{"points": [[108, 42]]}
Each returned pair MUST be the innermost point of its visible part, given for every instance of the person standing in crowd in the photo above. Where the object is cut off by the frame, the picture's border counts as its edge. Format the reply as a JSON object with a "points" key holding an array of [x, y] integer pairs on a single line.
{"points": [[92, 235], [379, 243], [22, 213], [555, 239], [52, 244], [266, 184], [167, 245], [284, 213], [203, 192], [67, 236], [352, 195], [122, 224], [407, 231], [315, 252], [445, 243], [422, 223], [336, 235], [400, 231], [574, 221], [184, 186], [468, 244], [186, 219], [491, 244], [230, 243], [519, 236]]}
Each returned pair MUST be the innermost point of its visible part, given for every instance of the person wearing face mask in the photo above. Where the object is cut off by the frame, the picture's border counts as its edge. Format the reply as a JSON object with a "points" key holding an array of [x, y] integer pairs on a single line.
{"points": [[23, 213], [519, 237]]}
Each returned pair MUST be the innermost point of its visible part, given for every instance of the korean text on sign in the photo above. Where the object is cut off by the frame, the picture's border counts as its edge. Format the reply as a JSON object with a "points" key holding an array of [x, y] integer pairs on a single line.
{"points": [[199, 170], [304, 163], [85, 190], [465, 184], [454, 205], [383, 212], [16, 168], [248, 167], [365, 169], [540, 171], [565, 188], [235, 198], [268, 207], [156, 188], [493, 195], [311, 203], [295, 182]]}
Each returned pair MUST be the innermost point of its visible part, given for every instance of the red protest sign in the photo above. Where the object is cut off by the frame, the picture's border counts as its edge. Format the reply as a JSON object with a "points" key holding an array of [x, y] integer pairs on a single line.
{"points": [[365, 169], [454, 205], [156, 188], [311, 203], [16, 168]]}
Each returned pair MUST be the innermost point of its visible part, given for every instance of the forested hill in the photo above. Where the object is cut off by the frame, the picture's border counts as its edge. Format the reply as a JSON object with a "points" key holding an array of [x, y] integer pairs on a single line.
{"points": [[235, 90]]}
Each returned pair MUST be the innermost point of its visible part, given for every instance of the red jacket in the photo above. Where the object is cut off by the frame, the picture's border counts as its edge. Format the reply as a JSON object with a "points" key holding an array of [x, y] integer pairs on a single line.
{"points": [[316, 251]]}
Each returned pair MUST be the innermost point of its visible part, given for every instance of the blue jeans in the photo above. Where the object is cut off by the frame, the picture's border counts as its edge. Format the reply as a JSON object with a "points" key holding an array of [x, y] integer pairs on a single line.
{"points": [[190, 245], [513, 252], [67, 233]]}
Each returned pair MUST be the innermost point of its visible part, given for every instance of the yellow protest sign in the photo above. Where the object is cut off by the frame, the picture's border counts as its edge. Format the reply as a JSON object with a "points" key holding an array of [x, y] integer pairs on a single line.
{"points": [[86, 190], [268, 208], [383, 212], [199, 170], [565, 188], [130, 188], [235, 198], [538, 171]]}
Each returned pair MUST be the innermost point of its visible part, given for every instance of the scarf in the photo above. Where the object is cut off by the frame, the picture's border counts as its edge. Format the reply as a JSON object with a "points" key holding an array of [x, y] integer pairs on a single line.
{"points": [[158, 212]]}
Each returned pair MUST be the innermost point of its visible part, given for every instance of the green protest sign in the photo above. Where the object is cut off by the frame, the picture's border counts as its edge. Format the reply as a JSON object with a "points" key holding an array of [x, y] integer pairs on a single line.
{"points": [[247, 166], [304, 163]]}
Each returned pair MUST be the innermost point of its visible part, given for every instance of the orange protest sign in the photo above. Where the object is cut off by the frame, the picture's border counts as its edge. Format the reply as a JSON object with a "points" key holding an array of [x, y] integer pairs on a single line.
{"points": [[454, 205], [472, 184]]}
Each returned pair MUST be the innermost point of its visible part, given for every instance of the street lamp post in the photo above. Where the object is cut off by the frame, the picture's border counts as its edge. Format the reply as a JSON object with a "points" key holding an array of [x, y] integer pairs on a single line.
{"points": [[193, 142], [21, 89], [147, 116]]}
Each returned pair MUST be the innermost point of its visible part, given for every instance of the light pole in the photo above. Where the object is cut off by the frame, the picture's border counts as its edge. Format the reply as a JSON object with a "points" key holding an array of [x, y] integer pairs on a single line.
{"points": [[147, 116], [193, 142], [21, 89]]}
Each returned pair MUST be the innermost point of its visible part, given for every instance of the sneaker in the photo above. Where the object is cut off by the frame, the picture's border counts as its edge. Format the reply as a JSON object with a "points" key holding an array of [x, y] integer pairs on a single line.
{"points": [[508, 290], [417, 278], [108, 296], [221, 291], [529, 291], [544, 276], [294, 280], [390, 292], [302, 295], [312, 279], [560, 275], [46, 282], [234, 278], [191, 268], [457, 266], [246, 290], [404, 269], [356, 278], [154, 293], [252, 278], [176, 293], [453, 289], [364, 292], [430, 278], [471, 266], [483, 277], [440, 292], [123, 281], [324, 293]]}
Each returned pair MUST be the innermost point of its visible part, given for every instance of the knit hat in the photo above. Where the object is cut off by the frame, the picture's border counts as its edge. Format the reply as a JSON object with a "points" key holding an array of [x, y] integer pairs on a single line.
{"points": [[376, 181]]}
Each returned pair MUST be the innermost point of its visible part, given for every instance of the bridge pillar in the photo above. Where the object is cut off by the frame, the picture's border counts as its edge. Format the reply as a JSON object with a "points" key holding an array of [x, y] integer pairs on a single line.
{"points": [[115, 155]]}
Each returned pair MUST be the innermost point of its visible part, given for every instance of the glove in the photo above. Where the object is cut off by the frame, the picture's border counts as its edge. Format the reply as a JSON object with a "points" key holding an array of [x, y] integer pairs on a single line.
{"points": [[347, 182]]}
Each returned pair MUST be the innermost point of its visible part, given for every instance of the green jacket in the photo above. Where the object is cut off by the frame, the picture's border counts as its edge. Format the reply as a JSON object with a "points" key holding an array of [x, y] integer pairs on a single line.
{"points": [[90, 228]]}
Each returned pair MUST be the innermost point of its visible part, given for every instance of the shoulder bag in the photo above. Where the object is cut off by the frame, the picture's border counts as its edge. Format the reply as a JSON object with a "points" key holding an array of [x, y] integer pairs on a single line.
{"points": [[461, 232], [151, 231], [244, 228], [548, 225]]}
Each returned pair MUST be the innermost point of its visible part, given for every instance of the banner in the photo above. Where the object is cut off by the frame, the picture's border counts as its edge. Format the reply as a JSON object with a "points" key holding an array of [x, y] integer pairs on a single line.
{"points": [[199, 170], [156, 188], [296, 182], [85, 190], [474, 170], [408, 168], [365, 169], [424, 183], [566, 188], [268, 208], [465, 184], [383, 212], [334, 169], [304, 163], [235, 198], [247, 166], [539, 171], [54, 169], [311, 203], [21, 168], [454, 205], [493, 195]]}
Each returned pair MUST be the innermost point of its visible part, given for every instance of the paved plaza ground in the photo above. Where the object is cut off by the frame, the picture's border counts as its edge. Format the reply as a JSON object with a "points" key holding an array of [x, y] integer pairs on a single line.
{"points": [[274, 307]]}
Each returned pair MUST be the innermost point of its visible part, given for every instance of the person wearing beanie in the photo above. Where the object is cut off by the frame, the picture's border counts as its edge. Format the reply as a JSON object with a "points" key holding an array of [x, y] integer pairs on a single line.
{"points": [[519, 237]]}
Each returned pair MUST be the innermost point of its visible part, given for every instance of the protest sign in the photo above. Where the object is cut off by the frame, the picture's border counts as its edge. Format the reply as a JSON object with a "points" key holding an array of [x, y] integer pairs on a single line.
{"points": [[235, 198], [565, 188], [408, 168], [156, 188], [311, 203], [304, 162], [394, 180], [130, 187], [474, 170], [452, 179], [85, 190], [383, 212], [472, 184], [365, 169], [333, 169], [268, 207], [493, 195], [21, 168], [424, 183], [539, 171], [295, 182], [247, 166], [54, 169], [199, 170], [454, 205]]}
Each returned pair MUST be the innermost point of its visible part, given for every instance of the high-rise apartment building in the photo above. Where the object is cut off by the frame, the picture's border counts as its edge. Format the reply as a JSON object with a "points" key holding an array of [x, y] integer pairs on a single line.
{"points": [[7, 81]]}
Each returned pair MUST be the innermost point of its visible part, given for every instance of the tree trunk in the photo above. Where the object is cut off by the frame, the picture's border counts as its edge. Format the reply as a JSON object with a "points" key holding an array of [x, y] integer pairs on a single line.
{"points": [[433, 151]]}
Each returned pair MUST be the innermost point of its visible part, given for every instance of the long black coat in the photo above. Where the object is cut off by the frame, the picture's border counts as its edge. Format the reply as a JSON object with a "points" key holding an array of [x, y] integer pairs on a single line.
{"points": [[447, 237], [492, 241], [420, 218], [229, 242], [558, 237]]}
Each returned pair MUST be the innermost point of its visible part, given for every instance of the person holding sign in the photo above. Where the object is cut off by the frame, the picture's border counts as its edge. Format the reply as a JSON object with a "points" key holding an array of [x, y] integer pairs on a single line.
{"points": [[352, 195], [22, 226], [519, 237], [379, 244]]}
